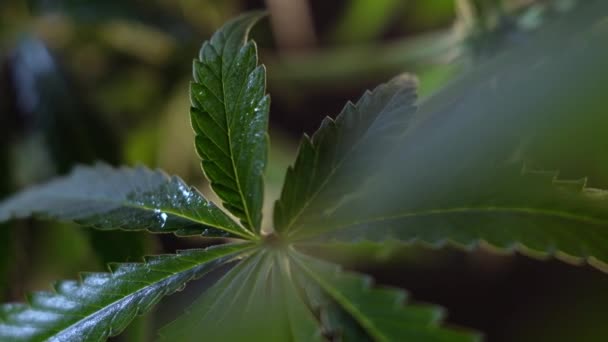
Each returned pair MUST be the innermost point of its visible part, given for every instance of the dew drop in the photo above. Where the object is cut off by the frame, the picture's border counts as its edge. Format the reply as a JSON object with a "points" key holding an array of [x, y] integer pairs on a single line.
{"points": [[162, 217]]}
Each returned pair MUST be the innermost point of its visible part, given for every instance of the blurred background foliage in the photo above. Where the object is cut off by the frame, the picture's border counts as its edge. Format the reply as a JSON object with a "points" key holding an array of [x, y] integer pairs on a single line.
{"points": [[108, 80]]}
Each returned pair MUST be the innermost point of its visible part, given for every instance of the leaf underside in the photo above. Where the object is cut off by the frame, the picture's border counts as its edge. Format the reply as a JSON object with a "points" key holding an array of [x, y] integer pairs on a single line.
{"points": [[324, 165], [131, 199], [103, 304], [285, 296], [229, 115]]}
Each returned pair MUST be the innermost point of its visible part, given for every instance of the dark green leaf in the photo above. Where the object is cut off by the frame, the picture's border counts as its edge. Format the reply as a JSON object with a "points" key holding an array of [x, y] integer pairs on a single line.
{"points": [[130, 199], [323, 168], [456, 174], [534, 213], [351, 310], [261, 299], [230, 118], [255, 301], [103, 304]]}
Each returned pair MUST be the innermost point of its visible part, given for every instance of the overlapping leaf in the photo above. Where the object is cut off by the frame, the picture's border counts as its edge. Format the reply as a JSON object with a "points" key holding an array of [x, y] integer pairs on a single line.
{"points": [[456, 175], [103, 304], [533, 212], [262, 297], [130, 199], [351, 310], [440, 186], [325, 161], [230, 117], [255, 301]]}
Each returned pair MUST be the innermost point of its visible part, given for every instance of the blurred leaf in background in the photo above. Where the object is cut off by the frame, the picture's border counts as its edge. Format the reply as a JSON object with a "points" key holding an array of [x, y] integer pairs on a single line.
{"points": [[48, 130], [363, 20]]}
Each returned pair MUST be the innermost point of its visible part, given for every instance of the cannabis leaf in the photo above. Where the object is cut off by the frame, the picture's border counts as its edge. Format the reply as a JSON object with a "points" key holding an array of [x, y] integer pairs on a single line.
{"points": [[324, 164], [130, 199], [534, 212], [260, 296], [256, 296], [434, 182], [350, 308], [457, 174], [103, 304], [230, 117]]}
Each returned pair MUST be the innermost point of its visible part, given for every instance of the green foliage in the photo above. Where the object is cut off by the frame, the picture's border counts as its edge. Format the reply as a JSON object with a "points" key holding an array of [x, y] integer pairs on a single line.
{"points": [[532, 212], [103, 304], [326, 161], [129, 199], [360, 176], [350, 308], [258, 297], [230, 118], [376, 15]]}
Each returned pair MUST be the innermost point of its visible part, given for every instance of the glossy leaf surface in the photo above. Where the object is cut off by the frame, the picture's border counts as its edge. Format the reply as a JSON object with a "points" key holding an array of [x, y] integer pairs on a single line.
{"points": [[103, 304], [130, 199], [323, 168], [230, 117]]}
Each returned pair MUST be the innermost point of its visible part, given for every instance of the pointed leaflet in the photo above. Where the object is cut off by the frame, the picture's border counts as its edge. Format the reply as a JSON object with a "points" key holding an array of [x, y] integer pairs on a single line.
{"points": [[130, 199], [103, 304], [230, 117], [457, 173], [323, 171], [534, 213], [255, 301], [260, 300], [350, 309]]}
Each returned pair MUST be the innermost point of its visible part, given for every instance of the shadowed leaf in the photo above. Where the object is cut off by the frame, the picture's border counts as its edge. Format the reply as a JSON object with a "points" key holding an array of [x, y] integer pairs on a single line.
{"points": [[103, 304], [130, 199], [255, 301], [323, 168]]}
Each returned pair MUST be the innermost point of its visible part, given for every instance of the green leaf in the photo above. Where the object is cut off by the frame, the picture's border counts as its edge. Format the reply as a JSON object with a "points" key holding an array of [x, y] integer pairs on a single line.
{"points": [[255, 301], [103, 304], [322, 169], [351, 310], [129, 199], [281, 295], [230, 117], [456, 175], [534, 213]]}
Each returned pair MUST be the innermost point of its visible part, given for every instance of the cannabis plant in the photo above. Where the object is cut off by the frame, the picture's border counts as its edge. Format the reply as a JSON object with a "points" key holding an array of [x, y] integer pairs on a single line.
{"points": [[360, 177]]}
